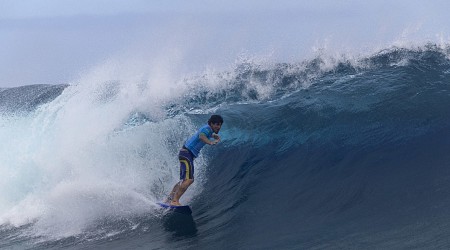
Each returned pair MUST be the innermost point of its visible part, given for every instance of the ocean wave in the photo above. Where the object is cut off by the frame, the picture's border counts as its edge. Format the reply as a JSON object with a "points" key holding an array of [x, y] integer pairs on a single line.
{"points": [[351, 143]]}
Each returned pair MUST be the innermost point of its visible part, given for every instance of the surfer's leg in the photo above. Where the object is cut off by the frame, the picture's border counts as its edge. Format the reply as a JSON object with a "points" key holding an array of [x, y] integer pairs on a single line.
{"points": [[172, 194], [186, 177], [179, 190]]}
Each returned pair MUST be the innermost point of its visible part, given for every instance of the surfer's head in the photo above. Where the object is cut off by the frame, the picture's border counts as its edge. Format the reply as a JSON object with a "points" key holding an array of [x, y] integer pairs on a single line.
{"points": [[215, 122], [215, 119]]}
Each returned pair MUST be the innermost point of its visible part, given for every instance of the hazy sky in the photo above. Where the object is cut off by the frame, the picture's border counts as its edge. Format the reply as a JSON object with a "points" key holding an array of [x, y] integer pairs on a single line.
{"points": [[56, 41]]}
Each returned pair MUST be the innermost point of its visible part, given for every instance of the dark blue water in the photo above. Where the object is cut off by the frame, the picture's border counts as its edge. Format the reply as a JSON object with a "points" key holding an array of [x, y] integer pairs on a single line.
{"points": [[353, 156]]}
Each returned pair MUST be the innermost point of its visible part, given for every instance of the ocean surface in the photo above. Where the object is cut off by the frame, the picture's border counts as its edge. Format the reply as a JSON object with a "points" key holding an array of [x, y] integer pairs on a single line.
{"points": [[326, 153]]}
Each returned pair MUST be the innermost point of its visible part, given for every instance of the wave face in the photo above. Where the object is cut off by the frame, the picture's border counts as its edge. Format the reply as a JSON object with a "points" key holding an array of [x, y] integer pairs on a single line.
{"points": [[327, 153]]}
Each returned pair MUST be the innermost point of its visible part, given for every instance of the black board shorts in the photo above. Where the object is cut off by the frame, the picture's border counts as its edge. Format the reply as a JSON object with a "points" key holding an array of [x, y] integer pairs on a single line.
{"points": [[186, 164]]}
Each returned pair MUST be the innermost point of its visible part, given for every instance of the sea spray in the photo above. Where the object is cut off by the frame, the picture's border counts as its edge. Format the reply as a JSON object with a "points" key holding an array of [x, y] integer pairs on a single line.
{"points": [[76, 160]]}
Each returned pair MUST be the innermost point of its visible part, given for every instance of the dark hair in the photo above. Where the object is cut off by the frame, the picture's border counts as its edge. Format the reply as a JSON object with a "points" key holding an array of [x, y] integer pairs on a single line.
{"points": [[215, 119]]}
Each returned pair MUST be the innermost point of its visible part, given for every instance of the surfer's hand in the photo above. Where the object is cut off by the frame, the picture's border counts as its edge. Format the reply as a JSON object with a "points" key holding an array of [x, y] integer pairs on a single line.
{"points": [[217, 139]]}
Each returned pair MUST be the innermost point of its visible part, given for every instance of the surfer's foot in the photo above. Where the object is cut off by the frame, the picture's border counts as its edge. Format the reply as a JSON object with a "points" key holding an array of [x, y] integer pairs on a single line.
{"points": [[175, 203]]}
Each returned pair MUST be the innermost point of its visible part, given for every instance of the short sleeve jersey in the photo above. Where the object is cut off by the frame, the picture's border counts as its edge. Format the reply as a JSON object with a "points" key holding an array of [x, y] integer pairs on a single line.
{"points": [[194, 144]]}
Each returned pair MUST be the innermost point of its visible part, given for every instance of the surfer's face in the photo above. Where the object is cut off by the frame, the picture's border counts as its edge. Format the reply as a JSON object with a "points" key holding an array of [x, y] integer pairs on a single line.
{"points": [[216, 127]]}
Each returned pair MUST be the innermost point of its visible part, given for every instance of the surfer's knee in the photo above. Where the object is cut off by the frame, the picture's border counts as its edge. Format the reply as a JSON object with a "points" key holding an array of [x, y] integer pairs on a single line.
{"points": [[186, 183]]}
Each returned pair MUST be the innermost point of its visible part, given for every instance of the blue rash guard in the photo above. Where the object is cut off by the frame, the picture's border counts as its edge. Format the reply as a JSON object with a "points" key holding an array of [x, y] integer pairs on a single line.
{"points": [[194, 144]]}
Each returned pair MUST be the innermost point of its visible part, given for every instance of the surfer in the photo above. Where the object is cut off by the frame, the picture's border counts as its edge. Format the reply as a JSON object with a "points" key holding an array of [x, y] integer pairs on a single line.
{"points": [[207, 134]]}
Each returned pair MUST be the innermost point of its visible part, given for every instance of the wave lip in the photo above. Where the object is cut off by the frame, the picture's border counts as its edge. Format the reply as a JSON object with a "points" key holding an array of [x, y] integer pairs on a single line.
{"points": [[28, 98]]}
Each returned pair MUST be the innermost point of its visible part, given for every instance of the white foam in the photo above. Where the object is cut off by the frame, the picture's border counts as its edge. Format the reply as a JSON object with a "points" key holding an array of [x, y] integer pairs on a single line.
{"points": [[71, 163]]}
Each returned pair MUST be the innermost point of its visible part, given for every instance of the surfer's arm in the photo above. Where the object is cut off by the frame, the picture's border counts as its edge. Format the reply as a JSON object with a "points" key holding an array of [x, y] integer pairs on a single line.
{"points": [[205, 139]]}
